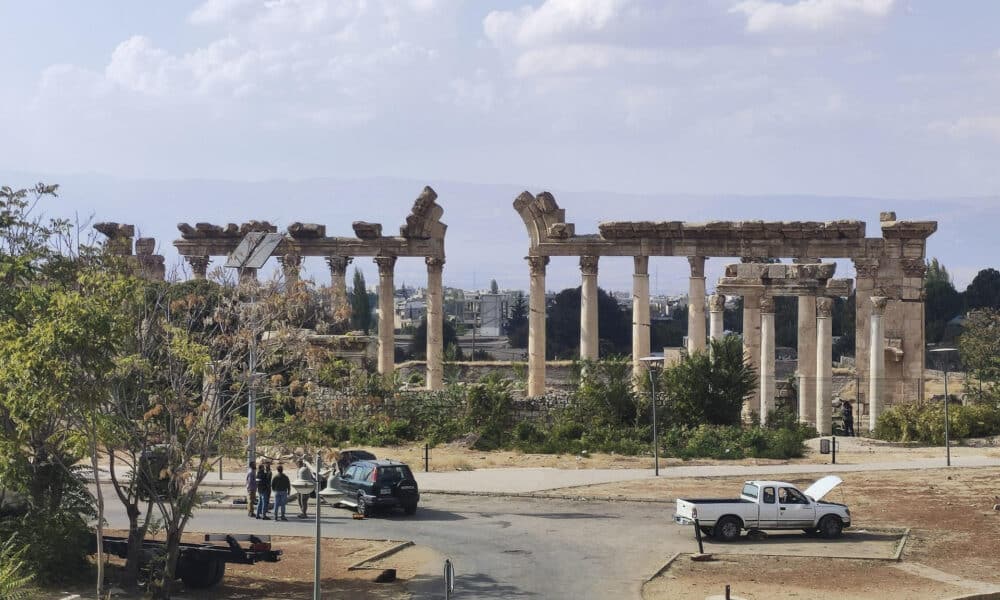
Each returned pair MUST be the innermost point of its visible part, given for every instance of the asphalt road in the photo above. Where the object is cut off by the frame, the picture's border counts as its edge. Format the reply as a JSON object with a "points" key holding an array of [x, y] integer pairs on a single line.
{"points": [[503, 547]]}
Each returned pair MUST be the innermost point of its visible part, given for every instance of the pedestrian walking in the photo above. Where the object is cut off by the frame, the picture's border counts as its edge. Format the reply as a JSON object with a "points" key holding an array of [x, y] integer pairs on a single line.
{"points": [[280, 486], [252, 488], [305, 474], [263, 493], [848, 414]]}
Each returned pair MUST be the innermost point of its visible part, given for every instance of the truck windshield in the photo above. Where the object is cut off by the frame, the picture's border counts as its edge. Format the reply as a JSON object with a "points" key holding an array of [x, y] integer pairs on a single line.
{"points": [[750, 490]]}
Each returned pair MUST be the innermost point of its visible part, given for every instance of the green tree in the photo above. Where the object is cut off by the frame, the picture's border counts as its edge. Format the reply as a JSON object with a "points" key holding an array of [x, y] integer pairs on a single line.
{"points": [[936, 272], [979, 348], [361, 308], [562, 331], [984, 291], [517, 324], [708, 387], [942, 303], [418, 344]]}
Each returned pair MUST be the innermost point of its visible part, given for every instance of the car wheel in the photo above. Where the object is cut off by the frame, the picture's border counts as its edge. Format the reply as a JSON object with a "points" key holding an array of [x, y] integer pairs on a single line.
{"points": [[811, 532], [364, 509], [728, 529], [410, 509], [706, 531], [831, 527]]}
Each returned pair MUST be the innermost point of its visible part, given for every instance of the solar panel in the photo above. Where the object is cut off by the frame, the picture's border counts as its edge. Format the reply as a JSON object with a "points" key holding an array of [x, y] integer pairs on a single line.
{"points": [[254, 250]]}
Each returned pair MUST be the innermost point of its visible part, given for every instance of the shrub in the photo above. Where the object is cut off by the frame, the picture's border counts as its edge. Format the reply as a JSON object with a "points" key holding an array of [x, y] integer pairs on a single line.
{"points": [[14, 575], [924, 422]]}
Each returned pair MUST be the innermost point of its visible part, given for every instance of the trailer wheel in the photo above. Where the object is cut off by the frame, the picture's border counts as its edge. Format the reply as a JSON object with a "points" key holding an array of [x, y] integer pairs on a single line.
{"points": [[728, 529], [201, 574]]}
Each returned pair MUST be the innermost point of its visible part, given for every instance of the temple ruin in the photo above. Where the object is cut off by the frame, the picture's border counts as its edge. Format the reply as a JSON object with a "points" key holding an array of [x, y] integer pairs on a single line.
{"points": [[888, 286]]}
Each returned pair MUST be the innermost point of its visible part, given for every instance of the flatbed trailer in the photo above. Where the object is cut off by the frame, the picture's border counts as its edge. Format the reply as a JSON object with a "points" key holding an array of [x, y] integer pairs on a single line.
{"points": [[201, 565]]}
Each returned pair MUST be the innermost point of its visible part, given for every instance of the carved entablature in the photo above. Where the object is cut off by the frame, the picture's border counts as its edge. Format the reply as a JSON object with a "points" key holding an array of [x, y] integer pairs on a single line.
{"points": [[307, 231], [783, 280], [733, 230], [866, 268], [540, 215], [894, 230], [367, 231], [424, 220], [115, 230], [229, 231]]}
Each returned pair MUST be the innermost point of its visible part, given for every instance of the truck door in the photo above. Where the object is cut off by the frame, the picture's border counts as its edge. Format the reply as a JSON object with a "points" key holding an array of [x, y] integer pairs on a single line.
{"points": [[794, 510], [768, 515]]}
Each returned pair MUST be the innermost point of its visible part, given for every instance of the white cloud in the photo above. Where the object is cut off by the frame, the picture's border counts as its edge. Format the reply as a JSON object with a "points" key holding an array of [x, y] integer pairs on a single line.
{"points": [[218, 11], [570, 58], [553, 20], [136, 65], [808, 15], [967, 127]]}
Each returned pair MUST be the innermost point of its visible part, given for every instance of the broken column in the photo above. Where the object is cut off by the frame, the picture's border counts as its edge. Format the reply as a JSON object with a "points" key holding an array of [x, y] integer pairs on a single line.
{"points": [[716, 316], [696, 305], [290, 265], [435, 324], [536, 325], [386, 314]]}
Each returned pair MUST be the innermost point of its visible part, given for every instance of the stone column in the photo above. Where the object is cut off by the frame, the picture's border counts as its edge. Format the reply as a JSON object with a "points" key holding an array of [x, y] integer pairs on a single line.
{"points": [[696, 305], [716, 316], [290, 265], [751, 347], [767, 384], [640, 314], [199, 265], [386, 314], [589, 336], [824, 365], [248, 275], [536, 326], [864, 288], [435, 324], [876, 364], [807, 359], [339, 303]]}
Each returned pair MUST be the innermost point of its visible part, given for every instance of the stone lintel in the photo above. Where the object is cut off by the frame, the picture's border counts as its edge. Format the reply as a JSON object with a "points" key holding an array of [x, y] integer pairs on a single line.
{"points": [[735, 286], [593, 245], [894, 230], [779, 271], [367, 231], [230, 230], [733, 230], [307, 230], [329, 246]]}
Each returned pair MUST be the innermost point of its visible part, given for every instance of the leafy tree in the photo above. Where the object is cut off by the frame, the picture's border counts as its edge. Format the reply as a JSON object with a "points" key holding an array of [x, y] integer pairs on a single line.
{"points": [[844, 319], [786, 321], [562, 332], [979, 347], [494, 288], [942, 301], [984, 291], [361, 308], [606, 394], [14, 573], [708, 387], [418, 344], [517, 324], [936, 272]]}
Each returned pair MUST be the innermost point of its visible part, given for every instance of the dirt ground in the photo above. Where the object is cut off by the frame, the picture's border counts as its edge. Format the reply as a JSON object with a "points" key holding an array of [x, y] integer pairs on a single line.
{"points": [[291, 577]]}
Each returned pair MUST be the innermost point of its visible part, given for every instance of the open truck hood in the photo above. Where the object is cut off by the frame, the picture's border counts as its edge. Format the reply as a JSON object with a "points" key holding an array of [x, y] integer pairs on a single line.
{"points": [[822, 487]]}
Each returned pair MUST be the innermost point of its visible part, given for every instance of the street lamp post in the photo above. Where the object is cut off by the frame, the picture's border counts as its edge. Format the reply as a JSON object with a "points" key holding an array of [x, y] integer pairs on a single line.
{"points": [[947, 423], [653, 364]]}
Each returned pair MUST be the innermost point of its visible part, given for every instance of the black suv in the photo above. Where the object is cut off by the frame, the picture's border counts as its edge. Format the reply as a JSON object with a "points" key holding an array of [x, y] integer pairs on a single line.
{"points": [[375, 484]]}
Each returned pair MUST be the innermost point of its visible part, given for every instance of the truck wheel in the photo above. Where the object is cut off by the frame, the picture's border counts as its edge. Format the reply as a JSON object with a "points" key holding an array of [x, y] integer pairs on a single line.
{"points": [[831, 527], [199, 574], [220, 572], [706, 531], [728, 529], [410, 509], [364, 509]]}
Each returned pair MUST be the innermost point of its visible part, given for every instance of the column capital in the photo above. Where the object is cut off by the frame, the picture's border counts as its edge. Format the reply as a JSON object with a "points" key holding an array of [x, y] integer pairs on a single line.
{"points": [[867, 268], [199, 265], [588, 265], [641, 265], [806, 261], [914, 267], [338, 264], [434, 263], [767, 305], [385, 265], [716, 303], [697, 265], [878, 305], [290, 260], [824, 308], [536, 264]]}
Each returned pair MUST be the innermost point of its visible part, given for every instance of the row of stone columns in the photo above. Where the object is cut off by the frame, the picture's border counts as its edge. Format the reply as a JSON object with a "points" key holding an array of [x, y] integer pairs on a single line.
{"points": [[291, 264]]}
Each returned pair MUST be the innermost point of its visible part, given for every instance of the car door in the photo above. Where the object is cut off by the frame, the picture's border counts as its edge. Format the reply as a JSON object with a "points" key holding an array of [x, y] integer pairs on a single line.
{"points": [[768, 513], [795, 511], [345, 482]]}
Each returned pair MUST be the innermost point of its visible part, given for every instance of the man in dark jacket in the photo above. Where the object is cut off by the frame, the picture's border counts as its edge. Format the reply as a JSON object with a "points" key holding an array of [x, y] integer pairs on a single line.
{"points": [[280, 485], [263, 493]]}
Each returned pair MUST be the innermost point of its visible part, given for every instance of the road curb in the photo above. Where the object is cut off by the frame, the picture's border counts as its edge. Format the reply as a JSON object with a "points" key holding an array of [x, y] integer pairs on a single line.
{"points": [[664, 567], [898, 554], [543, 495], [379, 555]]}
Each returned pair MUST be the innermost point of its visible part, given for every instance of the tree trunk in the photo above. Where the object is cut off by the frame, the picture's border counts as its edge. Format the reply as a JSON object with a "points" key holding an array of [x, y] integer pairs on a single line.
{"points": [[170, 564], [100, 512], [133, 553]]}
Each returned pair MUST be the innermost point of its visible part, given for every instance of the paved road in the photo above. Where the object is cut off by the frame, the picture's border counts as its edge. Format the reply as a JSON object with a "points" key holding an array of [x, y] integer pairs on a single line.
{"points": [[505, 547]]}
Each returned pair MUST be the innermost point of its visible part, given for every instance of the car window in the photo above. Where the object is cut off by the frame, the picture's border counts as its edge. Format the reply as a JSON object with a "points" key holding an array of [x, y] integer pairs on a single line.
{"points": [[750, 490], [791, 496], [352, 473], [768, 495], [394, 473]]}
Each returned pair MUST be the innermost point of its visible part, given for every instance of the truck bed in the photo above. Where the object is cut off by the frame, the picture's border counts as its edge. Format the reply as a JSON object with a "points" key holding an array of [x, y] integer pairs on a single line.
{"points": [[715, 500]]}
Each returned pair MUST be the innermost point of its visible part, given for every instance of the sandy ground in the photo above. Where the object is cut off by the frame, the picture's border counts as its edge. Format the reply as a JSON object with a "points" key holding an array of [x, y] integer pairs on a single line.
{"points": [[292, 576]]}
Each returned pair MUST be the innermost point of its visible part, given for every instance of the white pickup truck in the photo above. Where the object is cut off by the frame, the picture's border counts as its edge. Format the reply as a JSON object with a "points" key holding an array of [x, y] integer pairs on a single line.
{"points": [[768, 505]]}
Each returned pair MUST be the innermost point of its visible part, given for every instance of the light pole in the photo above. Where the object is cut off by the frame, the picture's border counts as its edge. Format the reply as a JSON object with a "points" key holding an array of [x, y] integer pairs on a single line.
{"points": [[947, 440], [475, 320], [316, 566], [653, 365]]}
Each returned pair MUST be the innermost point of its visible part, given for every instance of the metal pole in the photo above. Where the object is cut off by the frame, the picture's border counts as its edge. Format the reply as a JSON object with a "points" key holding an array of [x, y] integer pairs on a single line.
{"points": [[834, 448], [697, 535], [427, 457], [656, 445], [947, 441], [251, 400], [316, 566]]}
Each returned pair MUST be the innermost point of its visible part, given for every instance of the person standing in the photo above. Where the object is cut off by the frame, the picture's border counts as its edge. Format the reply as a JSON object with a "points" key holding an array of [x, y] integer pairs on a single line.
{"points": [[305, 474], [251, 488], [848, 415], [280, 485], [267, 472], [263, 493]]}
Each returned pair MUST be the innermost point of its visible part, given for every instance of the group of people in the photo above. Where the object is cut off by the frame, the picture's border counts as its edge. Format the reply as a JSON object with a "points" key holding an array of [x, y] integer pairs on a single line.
{"points": [[261, 484]]}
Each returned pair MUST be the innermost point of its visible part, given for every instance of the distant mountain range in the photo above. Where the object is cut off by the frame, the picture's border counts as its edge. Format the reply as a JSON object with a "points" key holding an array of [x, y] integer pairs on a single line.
{"points": [[486, 239]]}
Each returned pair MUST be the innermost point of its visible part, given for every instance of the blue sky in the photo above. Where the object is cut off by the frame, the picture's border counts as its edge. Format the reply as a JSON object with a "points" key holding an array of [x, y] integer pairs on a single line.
{"points": [[860, 98]]}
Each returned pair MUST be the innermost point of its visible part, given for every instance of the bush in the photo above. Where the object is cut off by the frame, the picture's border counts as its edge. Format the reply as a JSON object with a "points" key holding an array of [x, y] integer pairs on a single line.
{"points": [[924, 422], [14, 575], [734, 442]]}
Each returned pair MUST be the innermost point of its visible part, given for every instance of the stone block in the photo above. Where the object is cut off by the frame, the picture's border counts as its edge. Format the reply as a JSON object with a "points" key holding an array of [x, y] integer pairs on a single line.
{"points": [[887, 216], [307, 230], [145, 246], [367, 231]]}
